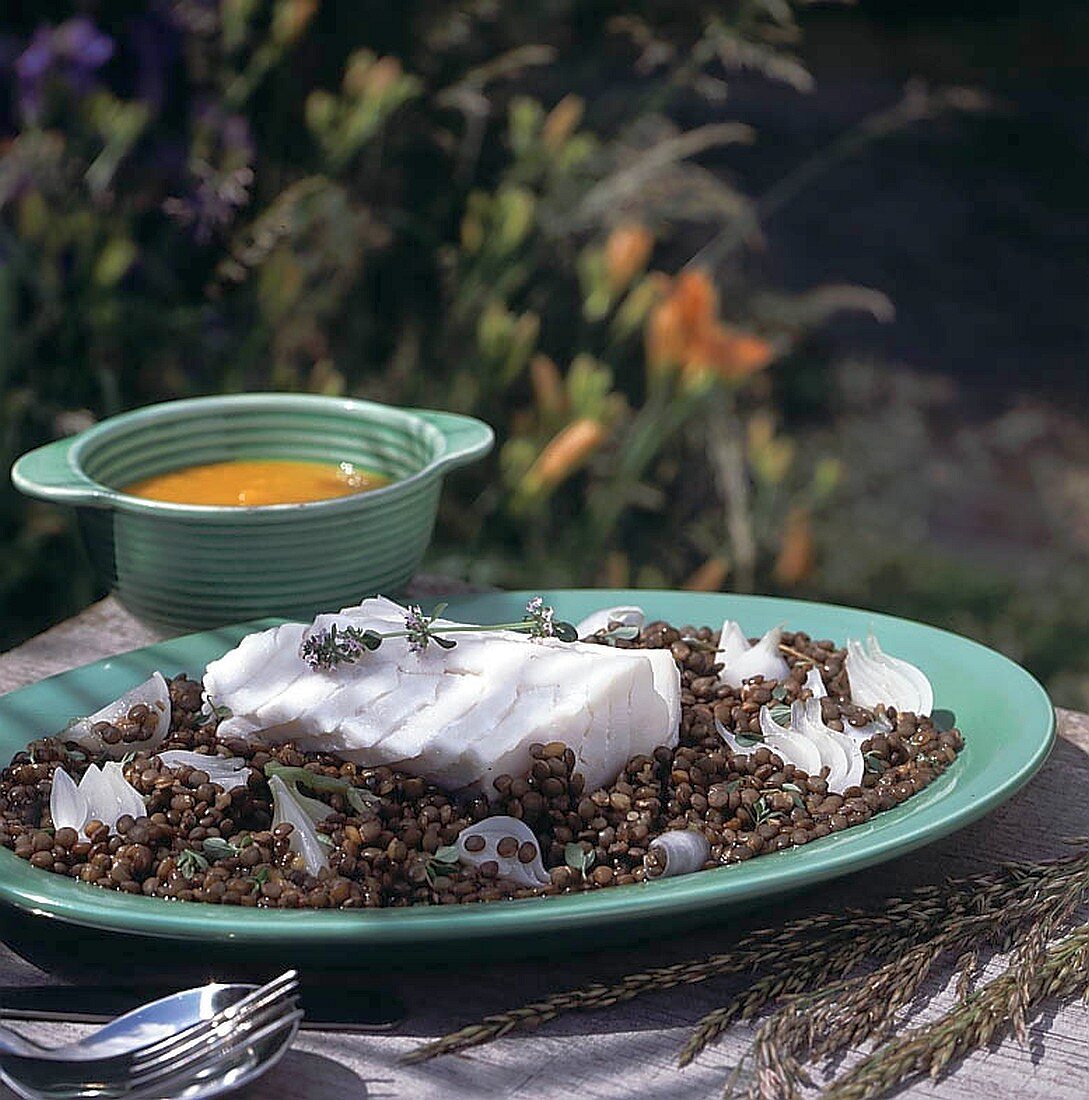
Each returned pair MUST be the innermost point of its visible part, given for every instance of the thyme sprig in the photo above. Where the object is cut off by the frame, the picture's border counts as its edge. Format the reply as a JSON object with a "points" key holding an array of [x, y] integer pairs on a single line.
{"points": [[337, 645], [805, 971]]}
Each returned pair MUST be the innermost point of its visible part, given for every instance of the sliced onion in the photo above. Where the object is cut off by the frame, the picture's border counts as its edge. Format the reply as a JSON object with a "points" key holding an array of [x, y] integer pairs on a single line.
{"points": [[680, 852], [228, 772], [833, 745], [791, 747], [732, 742], [877, 679], [67, 804], [815, 683], [103, 794], [608, 617], [127, 799], [742, 661], [304, 837], [493, 830], [153, 693]]}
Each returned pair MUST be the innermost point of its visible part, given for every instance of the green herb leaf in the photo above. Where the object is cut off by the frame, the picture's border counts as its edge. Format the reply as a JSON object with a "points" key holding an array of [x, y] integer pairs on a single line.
{"points": [[875, 764], [448, 854], [577, 858], [361, 800], [215, 847], [780, 713], [566, 632], [780, 692], [748, 740], [795, 793], [761, 811], [944, 720], [190, 861]]}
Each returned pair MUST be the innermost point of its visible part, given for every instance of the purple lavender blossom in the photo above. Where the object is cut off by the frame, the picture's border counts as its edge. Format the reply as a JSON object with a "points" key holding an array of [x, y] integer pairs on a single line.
{"points": [[73, 51], [418, 627]]}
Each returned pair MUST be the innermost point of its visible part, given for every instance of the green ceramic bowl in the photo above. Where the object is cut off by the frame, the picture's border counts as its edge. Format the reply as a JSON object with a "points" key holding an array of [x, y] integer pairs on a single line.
{"points": [[190, 566]]}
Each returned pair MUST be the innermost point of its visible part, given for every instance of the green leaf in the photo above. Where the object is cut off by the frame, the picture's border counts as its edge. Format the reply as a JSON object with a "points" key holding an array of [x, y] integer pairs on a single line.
{"points": [[448, 854], [190, 861], [577, 858], [944, 720], [360, 800], [748, 740], [780, 692], [780, 713], [218, 848], [875, 764]]}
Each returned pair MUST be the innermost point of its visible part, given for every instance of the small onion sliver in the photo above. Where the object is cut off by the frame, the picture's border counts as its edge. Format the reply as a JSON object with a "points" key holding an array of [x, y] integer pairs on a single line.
{"points": [[681, 852], [815, 683], [791, 747], [732, 742], [67, 804], [742, 661], [154, 693], [304, 837], [511, 868], [604, 618], [228, 772]]}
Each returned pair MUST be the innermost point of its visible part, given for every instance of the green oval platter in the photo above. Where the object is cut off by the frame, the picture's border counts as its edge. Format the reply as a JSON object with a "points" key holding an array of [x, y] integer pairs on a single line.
{"points": [[1006, 718]]}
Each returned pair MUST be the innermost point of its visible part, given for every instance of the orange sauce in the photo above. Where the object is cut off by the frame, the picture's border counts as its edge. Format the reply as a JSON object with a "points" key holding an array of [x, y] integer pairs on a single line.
{"points": [[250, 483]]}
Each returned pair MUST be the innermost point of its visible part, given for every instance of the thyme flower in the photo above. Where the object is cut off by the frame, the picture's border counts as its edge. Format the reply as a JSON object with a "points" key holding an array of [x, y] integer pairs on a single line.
{"points": [[337, 645]]}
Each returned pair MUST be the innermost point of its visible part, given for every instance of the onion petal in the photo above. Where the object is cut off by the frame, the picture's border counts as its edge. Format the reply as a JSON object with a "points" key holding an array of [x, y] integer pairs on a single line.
{"points": [[742, 661], [848, 766], [789, 745], [153, 693], [227, 772], [286, 809], [493, 830], [877, 679], [682, 852], [67, 804], [815, 683], [607, 617]]}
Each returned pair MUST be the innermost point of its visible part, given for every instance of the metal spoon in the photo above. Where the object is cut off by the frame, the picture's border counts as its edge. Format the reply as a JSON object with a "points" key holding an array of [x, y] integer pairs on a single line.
{"points": [[220, 1074], [143, 1025]]}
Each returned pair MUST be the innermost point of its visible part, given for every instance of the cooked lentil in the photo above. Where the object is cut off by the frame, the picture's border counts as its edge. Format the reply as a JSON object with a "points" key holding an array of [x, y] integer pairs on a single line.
{"points": [[746, 805]]}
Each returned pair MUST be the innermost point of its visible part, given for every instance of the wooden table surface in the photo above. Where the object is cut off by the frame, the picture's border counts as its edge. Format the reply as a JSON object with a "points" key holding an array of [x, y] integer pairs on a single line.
{"points": [[623, 1052]]}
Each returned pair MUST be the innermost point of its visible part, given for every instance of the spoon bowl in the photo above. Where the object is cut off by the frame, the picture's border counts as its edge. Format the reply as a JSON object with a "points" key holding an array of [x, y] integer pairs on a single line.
{"points": [[146, 1024]]}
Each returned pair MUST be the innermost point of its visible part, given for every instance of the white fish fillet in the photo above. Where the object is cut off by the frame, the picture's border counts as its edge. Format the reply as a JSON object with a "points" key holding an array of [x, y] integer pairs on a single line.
{"points": [[459, 717]]}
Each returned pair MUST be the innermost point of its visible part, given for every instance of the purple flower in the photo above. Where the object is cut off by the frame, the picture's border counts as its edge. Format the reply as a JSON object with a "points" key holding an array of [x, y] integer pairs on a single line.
{"points": [[213, 202], [73, 51], [221, 166]]}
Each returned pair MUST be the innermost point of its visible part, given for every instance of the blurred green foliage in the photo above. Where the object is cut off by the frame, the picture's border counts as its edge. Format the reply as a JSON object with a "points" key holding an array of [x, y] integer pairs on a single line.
{"points": [[432, 203], [474, 205]]}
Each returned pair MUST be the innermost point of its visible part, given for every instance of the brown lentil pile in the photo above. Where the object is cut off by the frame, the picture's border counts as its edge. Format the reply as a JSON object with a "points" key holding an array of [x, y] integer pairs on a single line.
{"points": [[199, 842]]}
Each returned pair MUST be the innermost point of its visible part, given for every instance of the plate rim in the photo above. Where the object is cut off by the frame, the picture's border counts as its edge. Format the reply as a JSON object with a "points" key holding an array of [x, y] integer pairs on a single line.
{"points": [[69, 901]]}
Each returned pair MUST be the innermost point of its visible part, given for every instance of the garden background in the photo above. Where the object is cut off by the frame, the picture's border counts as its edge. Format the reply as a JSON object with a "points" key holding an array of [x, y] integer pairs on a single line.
{"points": [[757, 296]]}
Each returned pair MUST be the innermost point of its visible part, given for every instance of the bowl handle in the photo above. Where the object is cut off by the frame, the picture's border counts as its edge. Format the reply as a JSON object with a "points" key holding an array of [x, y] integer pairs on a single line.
{"points": [[49, 473], [467, 438]]}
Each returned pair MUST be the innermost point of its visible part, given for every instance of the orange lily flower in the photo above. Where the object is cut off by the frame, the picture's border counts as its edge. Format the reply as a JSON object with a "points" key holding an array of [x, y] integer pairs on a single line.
{"points": [[564, 453], [684, 333], [627, 250]]}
